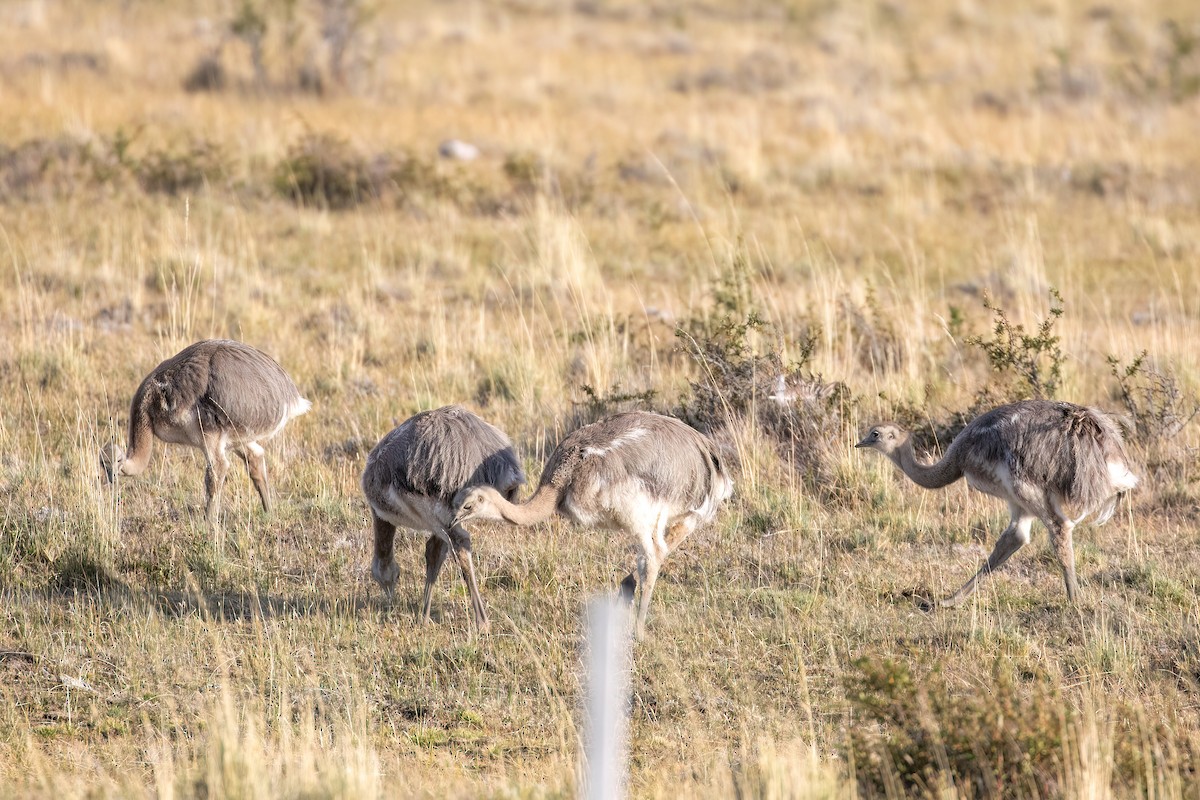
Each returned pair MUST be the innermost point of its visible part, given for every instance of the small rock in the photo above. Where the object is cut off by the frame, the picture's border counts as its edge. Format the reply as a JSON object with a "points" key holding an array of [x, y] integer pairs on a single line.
{"points": [[458, 150]]}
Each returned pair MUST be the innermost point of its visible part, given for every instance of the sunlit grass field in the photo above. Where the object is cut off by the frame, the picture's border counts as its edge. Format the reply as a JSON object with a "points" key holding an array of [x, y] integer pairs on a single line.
{"points": [[857, 193]]}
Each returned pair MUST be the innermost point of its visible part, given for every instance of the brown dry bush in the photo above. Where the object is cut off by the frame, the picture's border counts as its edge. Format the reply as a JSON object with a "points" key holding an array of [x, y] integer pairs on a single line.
{"points": [[1020, 734], [46, 168], [323, 170], [920, 732], [1158, 409], [172, 171], [734, 381], [208, 74]]}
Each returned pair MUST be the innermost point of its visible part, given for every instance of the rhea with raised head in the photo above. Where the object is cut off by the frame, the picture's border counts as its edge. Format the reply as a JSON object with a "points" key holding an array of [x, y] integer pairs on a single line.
{"points": [[216, 395], [1050, 461], [648, 475], [410, 481]]}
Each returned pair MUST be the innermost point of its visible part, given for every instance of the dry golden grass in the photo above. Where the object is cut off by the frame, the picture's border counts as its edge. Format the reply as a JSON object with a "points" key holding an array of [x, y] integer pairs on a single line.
{"points": [[862, 171]]}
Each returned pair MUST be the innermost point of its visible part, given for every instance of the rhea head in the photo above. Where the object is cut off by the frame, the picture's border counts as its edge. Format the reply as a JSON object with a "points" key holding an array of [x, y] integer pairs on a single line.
{"points": [[885, 437], [476, 502], [111, 459]]}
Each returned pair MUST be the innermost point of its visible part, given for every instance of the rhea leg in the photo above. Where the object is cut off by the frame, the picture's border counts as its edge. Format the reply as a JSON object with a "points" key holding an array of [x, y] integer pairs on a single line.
{"points": [[648, 566], [214, 479], [1064, 548], [460, 543], [383, 566], [436, 550], [1015, 536], [256, 464], [675, 535], [654, 549]]}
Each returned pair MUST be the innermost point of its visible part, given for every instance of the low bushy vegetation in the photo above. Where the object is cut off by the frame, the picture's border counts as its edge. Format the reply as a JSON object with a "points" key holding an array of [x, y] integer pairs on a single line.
{"points": [[323, 171], [1023, 364], [916, 732], [805, 416]]}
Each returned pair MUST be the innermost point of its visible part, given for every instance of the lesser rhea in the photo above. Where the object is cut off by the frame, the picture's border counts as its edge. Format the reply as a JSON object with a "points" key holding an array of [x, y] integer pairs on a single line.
{"points": [[648, 475], [1051, 461], [411, 478], [216, 395]]}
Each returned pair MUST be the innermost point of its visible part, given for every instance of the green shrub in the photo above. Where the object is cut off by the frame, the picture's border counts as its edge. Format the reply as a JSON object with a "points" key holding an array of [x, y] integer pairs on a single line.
{"points": [[597, 404], [322, 170], [1021, 365], [1027, 364], [186, 169]]}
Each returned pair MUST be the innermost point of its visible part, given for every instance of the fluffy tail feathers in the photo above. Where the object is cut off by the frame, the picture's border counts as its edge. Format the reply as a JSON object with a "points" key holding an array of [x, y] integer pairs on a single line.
{"points": [[1102, 473]]}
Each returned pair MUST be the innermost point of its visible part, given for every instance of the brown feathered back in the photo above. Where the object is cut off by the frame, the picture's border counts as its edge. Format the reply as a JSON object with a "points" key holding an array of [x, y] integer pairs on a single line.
{"points": [[436, 453], [1060, 446], [232, 385], [670, 459]]}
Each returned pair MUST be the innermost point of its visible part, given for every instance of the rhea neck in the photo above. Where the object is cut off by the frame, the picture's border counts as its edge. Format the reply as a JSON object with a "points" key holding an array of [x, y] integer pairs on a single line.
{"points": [[930, 476], [141, 436], [538, 508]]}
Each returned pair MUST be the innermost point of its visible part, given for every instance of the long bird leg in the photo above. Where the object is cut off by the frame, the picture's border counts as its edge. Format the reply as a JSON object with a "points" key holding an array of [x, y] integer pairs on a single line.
{"points": [[654, 549], [383, 566], [256, 464], [436, 550], [675, 536], [1061, 529], [460, 543], [1015, 536], [1064, 547], [648, 567], [214, 479]]}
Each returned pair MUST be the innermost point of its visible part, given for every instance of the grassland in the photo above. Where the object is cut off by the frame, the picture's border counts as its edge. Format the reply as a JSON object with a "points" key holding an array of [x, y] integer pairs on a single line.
{"points": [[859, 176]]}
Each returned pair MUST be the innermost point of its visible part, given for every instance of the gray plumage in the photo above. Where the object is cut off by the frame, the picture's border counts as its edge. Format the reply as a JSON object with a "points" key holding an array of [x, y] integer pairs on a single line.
{"points": [[411, 479], [648, 475], [1051, 461], [668, 460], [216, 395]]}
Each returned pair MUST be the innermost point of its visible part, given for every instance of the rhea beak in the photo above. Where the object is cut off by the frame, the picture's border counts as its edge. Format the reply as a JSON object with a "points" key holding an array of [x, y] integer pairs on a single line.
{"points": [[863, 443]]}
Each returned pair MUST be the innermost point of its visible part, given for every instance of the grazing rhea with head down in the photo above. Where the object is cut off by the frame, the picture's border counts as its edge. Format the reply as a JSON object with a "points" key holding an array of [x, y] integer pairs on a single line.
{"points": [[215, 395], [1052, 461], [411, 478], [649, 475]]}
